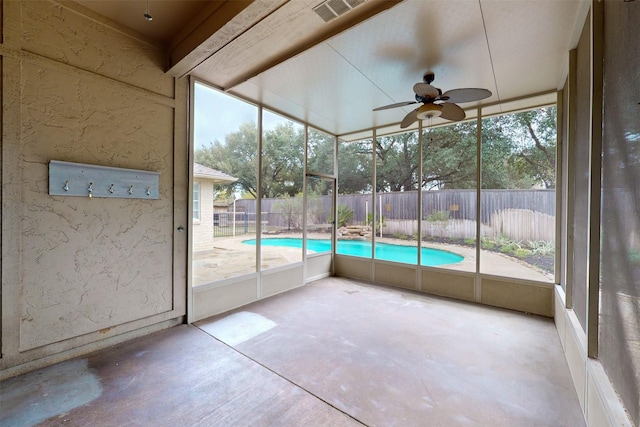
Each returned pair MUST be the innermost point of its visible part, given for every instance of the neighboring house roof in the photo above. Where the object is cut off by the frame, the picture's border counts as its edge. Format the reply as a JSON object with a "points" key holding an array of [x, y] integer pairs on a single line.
{"points": [[201, 171]]}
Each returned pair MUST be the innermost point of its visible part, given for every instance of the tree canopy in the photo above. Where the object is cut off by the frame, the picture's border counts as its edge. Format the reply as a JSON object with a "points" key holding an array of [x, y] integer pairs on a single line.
{"points": [[518, 151]]}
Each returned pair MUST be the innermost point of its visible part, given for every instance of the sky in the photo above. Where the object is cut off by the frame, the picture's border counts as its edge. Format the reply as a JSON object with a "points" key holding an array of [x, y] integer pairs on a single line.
{"points": [[217, 114]]}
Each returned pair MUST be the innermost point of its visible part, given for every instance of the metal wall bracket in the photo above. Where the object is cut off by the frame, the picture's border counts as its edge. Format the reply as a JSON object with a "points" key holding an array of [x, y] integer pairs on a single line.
{"points": [[78, 179]]}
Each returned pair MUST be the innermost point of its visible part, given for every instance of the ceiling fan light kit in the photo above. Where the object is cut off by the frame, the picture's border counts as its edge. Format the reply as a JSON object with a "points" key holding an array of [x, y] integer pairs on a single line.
{"points": [[428, 111], [428, 95]]}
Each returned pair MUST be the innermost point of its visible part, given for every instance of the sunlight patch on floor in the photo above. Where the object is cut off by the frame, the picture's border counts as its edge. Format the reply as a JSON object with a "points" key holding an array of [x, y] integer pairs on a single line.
{"points": [[239, 327]]}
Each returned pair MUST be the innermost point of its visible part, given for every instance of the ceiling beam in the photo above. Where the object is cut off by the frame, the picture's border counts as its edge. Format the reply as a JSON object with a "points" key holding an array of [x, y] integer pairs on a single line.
{"points": [[332, 28], [219, 24]]}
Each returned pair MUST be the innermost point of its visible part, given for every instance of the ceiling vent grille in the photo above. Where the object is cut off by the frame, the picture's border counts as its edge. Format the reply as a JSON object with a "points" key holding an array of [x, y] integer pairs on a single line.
{"points": [[331, 9]]}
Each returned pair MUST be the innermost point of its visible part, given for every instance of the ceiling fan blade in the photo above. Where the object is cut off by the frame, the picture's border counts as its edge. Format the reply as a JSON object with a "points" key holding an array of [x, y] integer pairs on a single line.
{"points": [[425, 90], [409, 118], [398, 104], [452, 112], [465, 95]]}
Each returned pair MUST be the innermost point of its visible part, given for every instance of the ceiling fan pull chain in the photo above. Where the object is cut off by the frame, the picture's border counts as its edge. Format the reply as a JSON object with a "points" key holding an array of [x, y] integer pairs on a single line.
{"points": [[147, 15]]}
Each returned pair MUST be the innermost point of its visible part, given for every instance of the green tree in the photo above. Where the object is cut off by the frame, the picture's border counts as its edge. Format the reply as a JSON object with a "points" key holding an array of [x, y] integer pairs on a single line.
{"points": [[397, 162], [237, 156], [497, 152], [320, 152], [449, 156], [535, 150], [355, 166], [518, 151], [282, 160]]}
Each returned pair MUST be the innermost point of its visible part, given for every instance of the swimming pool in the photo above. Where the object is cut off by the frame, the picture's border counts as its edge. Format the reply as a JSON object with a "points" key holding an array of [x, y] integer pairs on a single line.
{"points": [[362, 248]]}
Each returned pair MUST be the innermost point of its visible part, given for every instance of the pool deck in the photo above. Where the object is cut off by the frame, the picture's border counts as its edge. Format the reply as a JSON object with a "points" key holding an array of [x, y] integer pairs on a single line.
{"points": [[230, 258]]}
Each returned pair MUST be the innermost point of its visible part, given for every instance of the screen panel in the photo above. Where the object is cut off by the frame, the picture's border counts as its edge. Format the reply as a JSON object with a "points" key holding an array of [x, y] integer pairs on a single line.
{"points": [[619, 319]]}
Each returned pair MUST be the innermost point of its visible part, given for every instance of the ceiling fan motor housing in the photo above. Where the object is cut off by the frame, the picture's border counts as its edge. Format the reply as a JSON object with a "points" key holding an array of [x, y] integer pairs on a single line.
{"points": [[428, 77]]}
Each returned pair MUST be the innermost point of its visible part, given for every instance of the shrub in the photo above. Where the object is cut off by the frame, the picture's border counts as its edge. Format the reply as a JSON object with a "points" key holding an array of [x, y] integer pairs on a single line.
{"points": [[438, 216], [541, 247], [370, 219], [503, 241], [291, 210], [506, 249], [470, 242], [488, 245], [522, 253], [345, 215]]}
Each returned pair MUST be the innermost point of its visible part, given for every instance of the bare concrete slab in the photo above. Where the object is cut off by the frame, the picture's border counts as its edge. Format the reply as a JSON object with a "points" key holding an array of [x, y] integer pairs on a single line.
{"points": [[394, 358], [178, 377], [335, 352]]}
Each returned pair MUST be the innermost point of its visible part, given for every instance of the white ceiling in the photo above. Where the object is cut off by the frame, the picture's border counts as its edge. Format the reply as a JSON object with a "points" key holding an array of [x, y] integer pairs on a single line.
{"points": [[514, 48], [337, 83]]}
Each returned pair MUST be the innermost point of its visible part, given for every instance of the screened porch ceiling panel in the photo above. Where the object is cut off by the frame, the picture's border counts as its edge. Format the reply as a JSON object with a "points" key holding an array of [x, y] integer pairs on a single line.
{"points": [[336, 84]]}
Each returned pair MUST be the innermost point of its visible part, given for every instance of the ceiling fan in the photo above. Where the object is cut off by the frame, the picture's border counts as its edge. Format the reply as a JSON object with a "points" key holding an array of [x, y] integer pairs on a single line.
{"points": [[437, 104]]}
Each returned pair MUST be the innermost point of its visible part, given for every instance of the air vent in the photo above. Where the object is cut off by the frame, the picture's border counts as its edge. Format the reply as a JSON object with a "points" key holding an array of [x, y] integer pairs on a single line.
{"points": [[333, 8], [354, 3], [338, 6]]}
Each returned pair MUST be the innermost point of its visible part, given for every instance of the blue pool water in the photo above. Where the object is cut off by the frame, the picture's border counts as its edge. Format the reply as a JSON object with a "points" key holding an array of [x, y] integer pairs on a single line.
{"points": [[361, 248]]}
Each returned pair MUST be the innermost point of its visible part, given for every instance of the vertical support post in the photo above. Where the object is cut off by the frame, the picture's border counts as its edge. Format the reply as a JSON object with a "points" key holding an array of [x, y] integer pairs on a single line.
{"points": [[595, 178], [334, 201], [366, 211], [559, 185], [419, 213], [478, 278], [234, 215], [380, 215], [374, 179], [190, 156], [258, 215], [571, 175], [305, 184]]}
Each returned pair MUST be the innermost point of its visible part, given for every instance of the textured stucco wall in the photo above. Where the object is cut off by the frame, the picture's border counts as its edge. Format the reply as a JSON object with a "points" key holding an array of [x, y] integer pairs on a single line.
{"points": [[78, 270], [203, 229]]}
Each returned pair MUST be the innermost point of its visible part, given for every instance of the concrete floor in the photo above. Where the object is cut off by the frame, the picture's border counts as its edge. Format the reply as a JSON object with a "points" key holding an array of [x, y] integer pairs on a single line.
{"points": [[334, 352]]}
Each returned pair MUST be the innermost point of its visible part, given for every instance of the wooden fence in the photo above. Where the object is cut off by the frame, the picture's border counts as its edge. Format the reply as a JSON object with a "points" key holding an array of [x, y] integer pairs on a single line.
{"points": [[517, 214]]}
